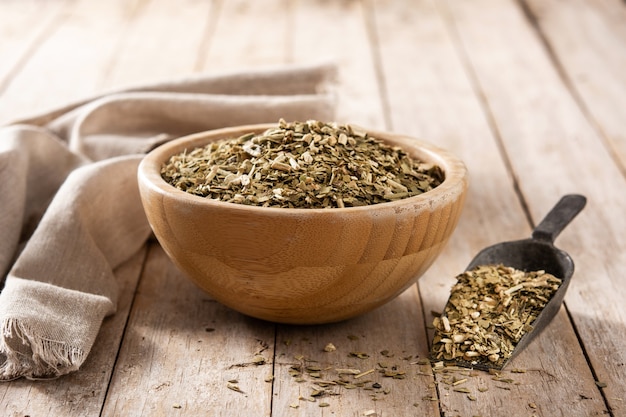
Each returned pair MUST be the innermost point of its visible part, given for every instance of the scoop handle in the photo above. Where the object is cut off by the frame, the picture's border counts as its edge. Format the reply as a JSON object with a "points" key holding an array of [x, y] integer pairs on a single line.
{"points": [[560, 216]]}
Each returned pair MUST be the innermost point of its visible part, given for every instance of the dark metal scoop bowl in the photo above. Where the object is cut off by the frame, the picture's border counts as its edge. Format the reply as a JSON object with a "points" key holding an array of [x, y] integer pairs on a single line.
{"points": [[534, 254]]}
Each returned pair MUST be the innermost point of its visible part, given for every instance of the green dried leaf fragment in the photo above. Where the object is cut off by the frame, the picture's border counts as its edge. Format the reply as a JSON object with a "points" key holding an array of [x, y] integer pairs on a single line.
{"points": [[234, 387], [360, 355]]}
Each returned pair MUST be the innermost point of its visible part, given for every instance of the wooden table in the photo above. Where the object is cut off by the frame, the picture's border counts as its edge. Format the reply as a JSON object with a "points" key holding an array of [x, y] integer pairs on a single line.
{"points": [[531, 94]]}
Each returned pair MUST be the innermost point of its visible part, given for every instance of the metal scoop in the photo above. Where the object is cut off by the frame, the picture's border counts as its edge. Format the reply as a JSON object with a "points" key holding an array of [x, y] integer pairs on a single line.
{"points": [[534, 254]]}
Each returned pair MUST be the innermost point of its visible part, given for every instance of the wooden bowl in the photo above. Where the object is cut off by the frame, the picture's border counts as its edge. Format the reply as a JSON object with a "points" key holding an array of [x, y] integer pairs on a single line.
{"points": [[302, 266]]}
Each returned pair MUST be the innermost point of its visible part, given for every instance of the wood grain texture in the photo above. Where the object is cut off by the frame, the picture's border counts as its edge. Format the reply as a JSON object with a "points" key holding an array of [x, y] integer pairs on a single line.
{"points": [[148, 52], [182, 350], [536, 114], [586, 41], [72, 61], [23, 27], [530, 94], [248, 35], [390, 339], [492, 213], [302, 266]]}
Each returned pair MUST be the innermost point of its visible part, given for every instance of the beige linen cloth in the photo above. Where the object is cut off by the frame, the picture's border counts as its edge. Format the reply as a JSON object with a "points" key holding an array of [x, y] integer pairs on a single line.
{"points": [[70, 211]]}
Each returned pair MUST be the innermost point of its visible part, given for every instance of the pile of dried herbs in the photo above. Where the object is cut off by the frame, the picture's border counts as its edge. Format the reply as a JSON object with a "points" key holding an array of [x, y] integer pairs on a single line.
{"points": [[490, 308], [301, 165]]}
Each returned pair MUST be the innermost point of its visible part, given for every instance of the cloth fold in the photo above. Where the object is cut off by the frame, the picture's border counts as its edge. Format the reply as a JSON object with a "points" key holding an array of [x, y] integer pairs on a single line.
{"points": [[70, 205]]}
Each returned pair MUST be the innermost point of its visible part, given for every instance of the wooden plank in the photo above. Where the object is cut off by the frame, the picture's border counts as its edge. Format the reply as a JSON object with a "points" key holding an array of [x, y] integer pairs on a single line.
{"points": [[396, 329], [249, 34], [431, 98], [435, 92], [70, 63], [182, 351], [432, 95], [82, 393], [165, 41], [588, 40], [388, 340], [254, 34], [23, 26], [536, 114], [188, 338], [338, 32]]}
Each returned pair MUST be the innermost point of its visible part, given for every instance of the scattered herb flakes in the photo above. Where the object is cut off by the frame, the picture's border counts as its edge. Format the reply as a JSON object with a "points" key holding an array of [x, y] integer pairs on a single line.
{"points": [[459, 381], [301, 165], [347, 371], [490, 308], [331, 380], [317, 392], [393, 373], [259, 360], [387, 354], [362, 374], [234, 387], [360, 355], [330, 348], [505, 380], [324, 405], [352, 337], [326, 381]]}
